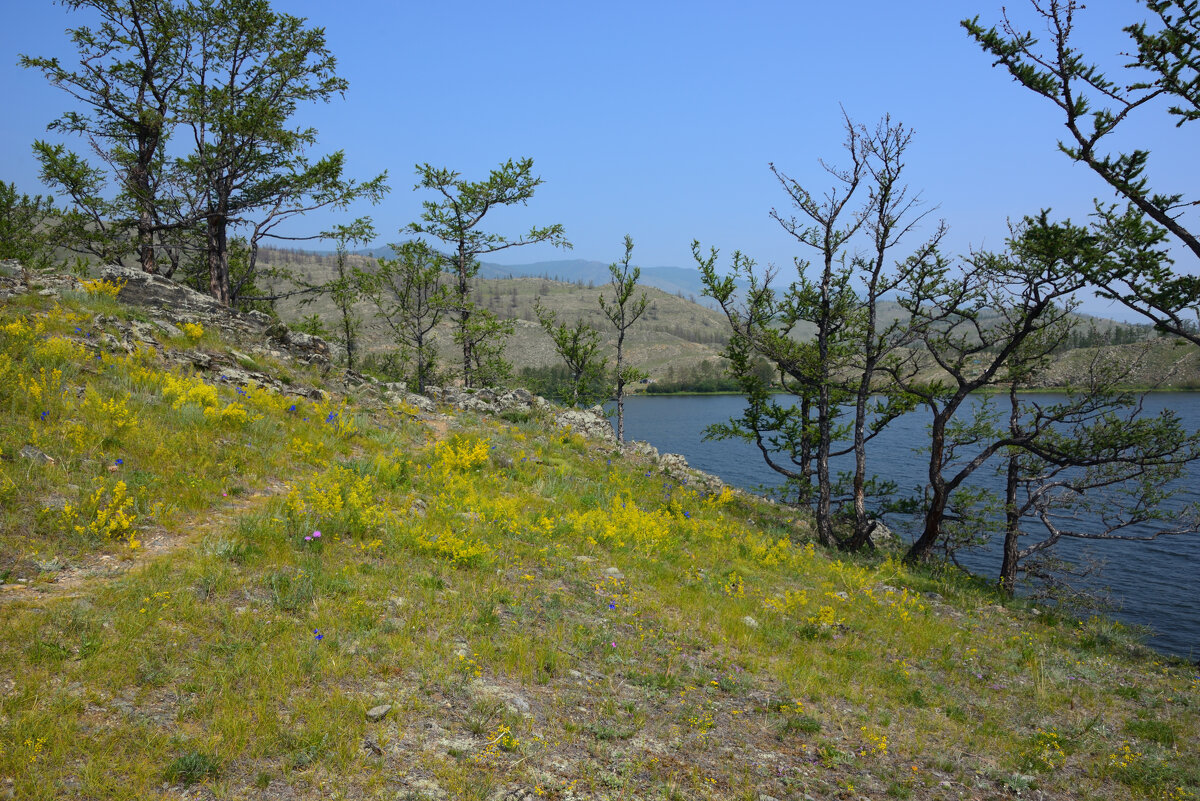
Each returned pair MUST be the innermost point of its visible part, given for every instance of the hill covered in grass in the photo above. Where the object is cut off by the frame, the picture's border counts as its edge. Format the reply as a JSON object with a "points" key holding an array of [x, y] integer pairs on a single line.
{"points": [[678, 335], [675, 331], [233, 571]]}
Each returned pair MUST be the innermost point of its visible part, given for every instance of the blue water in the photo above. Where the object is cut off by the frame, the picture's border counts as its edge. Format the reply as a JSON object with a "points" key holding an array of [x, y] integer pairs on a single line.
{"points": [[1156, 584]]}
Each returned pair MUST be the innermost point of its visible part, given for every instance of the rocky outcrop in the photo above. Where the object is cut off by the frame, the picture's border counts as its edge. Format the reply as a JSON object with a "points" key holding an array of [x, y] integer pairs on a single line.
{"points": [[180, 303], [488, 401], [591, 423]]}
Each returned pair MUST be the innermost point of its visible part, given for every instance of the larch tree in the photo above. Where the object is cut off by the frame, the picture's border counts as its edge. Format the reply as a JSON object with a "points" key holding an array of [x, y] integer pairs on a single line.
{"points": [[252, 71], [623, 309], [128, 83], [822, 332], [455, 217], [411, 294], [578, 345], [1162, 67]]}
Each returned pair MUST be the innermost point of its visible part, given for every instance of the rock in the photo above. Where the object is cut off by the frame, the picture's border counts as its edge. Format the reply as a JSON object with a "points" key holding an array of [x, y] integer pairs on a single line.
{"points": [[673, 462], [425, 788], [397, 394], [143, 332], [750, 622], [615, 573], [590, 423], [167, 328], [881, 533], [378, 713], [513, 701], [640, 448], [35, 455]]}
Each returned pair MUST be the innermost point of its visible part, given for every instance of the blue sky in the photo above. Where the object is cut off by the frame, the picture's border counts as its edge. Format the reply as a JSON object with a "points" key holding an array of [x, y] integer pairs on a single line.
{"points": [[659, 119]]}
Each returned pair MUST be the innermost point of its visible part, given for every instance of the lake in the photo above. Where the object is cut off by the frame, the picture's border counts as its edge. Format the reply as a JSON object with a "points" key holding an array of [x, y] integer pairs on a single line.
{"points": [[1157, 583]]}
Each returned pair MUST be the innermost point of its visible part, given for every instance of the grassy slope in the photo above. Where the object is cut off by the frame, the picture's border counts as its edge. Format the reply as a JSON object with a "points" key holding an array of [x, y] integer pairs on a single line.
{"points": [[541, 614]]}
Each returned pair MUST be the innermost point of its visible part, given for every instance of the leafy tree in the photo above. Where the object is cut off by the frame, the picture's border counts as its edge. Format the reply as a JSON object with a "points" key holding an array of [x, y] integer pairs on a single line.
{"points": [[999, 316], [347, 285], [1165, 66], [455, 219], [623, 310], [579, 347], [784, 433], [838, 297], [28, 228], [1093, 456], [253, 68], [411, 296], [128, 82]]}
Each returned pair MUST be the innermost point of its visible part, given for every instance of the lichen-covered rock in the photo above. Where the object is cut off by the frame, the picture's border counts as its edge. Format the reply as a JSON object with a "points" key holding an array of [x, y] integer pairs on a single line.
{"points": [[591, 423]]}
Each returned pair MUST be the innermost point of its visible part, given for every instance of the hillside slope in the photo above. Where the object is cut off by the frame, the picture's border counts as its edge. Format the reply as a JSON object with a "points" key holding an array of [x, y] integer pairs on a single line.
{"points": [[231, 571], [675, 332]]}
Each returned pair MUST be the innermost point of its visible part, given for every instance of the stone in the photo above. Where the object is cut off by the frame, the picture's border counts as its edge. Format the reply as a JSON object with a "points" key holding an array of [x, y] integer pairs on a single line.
{"points": [[167, 328], [640, 448], [881, 533], [750, 622], [378, 713], [613, 572], [590, 423], [673, 462], [35, 455]]}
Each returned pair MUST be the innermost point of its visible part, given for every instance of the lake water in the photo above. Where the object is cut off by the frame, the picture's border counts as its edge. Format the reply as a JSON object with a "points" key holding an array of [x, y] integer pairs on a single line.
{"points": [[1157, 583]]}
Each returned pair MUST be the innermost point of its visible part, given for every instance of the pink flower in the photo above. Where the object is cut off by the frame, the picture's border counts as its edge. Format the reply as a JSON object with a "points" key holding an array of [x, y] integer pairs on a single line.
{"points": [[316, 535]]}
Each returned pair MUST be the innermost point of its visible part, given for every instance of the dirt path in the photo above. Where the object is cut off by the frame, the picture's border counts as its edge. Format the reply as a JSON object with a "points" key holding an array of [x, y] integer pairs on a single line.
{"points": [[72, 582]]}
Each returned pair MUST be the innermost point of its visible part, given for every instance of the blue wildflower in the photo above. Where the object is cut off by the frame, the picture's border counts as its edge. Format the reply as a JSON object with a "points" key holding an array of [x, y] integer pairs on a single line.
{"points": [[317, 635]]}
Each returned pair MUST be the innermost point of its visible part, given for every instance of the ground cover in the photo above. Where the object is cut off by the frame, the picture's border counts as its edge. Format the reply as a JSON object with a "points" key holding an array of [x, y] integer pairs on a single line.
{"points": [[351, 600]]}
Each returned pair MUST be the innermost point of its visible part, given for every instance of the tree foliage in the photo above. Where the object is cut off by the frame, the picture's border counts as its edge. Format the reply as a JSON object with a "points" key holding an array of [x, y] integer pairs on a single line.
{"points": [[623, 309], [455, 218], [128, 82], [30, 227], [189, 106], [254, 68], [411, 295], [579, 347], [853, 230], [1164, 66]]}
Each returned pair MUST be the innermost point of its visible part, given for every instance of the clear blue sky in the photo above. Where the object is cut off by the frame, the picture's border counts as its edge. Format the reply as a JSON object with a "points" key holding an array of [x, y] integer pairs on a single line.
{"points": [[658, 119]]}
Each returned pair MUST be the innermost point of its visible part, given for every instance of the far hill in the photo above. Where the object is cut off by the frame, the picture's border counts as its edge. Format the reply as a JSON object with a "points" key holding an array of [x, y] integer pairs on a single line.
{"points": [[676, 333], [682, 282]]}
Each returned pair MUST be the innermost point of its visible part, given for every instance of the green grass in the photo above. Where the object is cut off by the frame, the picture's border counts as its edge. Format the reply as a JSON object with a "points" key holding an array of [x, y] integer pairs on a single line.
{"points": [[234, 649]]}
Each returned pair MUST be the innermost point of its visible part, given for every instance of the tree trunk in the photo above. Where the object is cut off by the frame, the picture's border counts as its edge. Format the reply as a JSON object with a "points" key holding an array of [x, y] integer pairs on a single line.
{"points": [[1012, 530], [1012, 515], [620, 385], [145, 236], [920, 550], [464, 318], [218, 257], [824, 488]]}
